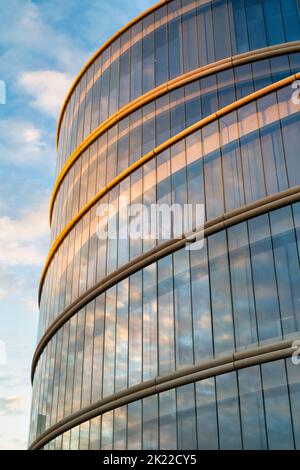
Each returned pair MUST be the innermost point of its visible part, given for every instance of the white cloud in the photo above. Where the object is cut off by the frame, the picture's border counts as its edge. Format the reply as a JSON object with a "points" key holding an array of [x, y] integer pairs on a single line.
{"points": [[23, 143], [22, 239], [32, 135], [14, 444], [31, 305], [12, 404], [3, 292], [33, 38], [47, 88]]}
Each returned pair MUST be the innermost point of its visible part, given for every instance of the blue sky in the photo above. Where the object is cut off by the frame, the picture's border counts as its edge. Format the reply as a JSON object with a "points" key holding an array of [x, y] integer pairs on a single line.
{"points": [[43, 45]]}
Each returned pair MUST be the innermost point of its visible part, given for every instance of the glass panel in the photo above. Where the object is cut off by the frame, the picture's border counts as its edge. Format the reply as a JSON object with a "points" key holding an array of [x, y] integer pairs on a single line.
{"points": [[293, 372], [207, 415], [193, 103], [148, 128], [261, 74], [104, 100], [134, 426], [74, 441], [256, 25], [271, 144], [182, 306], [148, 56], [212, 171], [240, 40], [161, 49], [135, 147], [205, 34], [220, 294], [96, 94], [167, 420], [226, 87], [186, 413], [162, 119], [166, 315], [174, 30], [87, 358], [136, 62], [114, 78], [279, 67], [244, 80], [120, 418], [202, 328], [189, 39], [277, 407], [122, 335], [107, 431], [251, 154], [150, 423], [84, 435], [78, 360], [221, 30], [291, 19], [252, 409], [209, 97], [241, 287], [228, 412], [95, 429], [150, 352], [177, 111], [290, 133], [135, 329], [98, 348], [124, 90], [109, 346], [264, 281], [231, 162], [273, 21], [287, 268]]}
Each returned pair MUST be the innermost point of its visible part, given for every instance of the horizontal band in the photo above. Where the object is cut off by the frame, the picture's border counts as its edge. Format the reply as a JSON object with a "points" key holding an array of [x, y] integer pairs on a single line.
{"points": [[211, 368], [229, 219], [98, 52], [186, 132], [177, 82]]}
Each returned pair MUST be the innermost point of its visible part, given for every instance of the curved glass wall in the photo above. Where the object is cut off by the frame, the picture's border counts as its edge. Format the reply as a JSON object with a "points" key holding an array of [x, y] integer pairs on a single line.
{"points": [[153, 124], [158, 48], [259, 405], [239, 291], [242, 157]]}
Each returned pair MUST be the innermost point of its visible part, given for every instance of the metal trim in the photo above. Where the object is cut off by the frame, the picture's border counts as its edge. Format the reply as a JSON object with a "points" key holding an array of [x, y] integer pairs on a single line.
{"points": [[177, 82], [198, 125], [210, 368], [233, 217]]}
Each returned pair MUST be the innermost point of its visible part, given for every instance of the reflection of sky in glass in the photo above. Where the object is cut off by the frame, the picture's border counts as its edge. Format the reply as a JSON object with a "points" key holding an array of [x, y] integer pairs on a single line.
{"points": [[209, 414], [177, 291], [252, 162]]}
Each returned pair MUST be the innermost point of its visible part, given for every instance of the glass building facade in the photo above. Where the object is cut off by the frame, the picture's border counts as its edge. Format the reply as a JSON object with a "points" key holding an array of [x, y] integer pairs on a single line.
{"points": [[170, 348]]}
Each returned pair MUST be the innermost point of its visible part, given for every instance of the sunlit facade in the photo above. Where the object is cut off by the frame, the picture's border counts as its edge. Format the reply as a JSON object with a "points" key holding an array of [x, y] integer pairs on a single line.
{"points": [[143, 343]]}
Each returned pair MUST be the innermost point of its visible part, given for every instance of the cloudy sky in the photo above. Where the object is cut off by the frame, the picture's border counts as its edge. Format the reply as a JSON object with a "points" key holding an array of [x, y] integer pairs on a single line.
{"points": [[43, 45]]}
